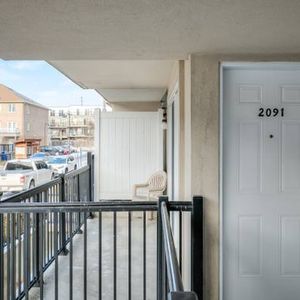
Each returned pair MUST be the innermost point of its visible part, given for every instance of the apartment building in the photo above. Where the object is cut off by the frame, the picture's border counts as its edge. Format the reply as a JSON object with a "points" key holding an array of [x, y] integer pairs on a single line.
{"points": [[72, 125], [21, 119], [231, 70]]}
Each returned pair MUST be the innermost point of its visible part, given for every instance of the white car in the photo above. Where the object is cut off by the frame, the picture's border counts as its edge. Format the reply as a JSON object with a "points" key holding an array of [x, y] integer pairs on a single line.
{"points": [[19, 175], [62, 164]]}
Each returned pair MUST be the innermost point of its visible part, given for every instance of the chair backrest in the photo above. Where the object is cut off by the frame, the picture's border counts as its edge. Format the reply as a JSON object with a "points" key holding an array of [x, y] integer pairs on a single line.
{"points": [[158, 180]]}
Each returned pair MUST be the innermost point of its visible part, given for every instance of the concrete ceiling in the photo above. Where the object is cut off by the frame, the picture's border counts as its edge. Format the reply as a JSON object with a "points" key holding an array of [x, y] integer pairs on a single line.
{"points": [[95, 31], [120, 80], [146, 29], [117, 73]]}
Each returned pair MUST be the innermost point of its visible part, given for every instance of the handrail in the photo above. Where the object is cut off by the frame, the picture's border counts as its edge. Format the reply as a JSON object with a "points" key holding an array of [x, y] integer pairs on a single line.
{"points": [[41, 220], [32, 226], [33, 191], [29, 193], [168, 266], [174, 277], [43, 207]]}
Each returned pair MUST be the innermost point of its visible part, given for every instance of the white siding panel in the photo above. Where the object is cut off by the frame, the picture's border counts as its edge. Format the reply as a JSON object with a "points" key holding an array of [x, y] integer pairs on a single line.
{"points": [[129, 151]]}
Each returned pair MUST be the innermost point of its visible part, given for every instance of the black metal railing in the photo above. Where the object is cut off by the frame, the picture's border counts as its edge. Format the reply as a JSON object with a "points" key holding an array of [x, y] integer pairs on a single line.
{"points": [[121, 253], [20, 234], [170, 269]]}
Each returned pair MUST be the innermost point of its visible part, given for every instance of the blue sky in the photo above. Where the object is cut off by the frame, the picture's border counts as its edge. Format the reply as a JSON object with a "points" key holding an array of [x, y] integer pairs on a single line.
{"points": [[43, 83]]}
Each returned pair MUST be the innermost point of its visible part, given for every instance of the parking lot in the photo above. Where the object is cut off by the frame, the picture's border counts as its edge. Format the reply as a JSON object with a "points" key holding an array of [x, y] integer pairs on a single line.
{"points": [[23, 174]]}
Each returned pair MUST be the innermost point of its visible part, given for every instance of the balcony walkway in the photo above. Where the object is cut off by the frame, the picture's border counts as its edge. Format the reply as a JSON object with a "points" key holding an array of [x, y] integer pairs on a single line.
{"points": [[107, 262]]}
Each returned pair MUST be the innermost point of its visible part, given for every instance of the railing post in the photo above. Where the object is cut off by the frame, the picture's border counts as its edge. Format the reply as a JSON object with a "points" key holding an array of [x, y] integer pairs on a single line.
{"points": [[37, 244], [93, 176], [90, 162], [197, 246], [62, 229], [161, 260], [1, 256], [79, 230]]}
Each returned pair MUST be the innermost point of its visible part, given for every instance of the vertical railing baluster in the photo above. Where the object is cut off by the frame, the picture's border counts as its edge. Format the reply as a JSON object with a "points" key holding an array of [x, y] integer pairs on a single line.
{"points": [[8, 255], [180, 242], [129, 255], [78, 199], [115, 255], [1, 256], [161, 261], [26, 254], [71, 256], [37, 242], [13, 257], [56, 255], [100, 254], [144, 255], [62, 231], [40, 255], [51, 235], [34, 266], [85, 257], [91, 183], [45, 235], [48, 237], [19, 234]]}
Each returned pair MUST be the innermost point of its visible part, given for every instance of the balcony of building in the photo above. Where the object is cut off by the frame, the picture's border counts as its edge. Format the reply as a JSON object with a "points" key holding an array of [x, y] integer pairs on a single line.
{"points": [[58, 242], [9, 132]]}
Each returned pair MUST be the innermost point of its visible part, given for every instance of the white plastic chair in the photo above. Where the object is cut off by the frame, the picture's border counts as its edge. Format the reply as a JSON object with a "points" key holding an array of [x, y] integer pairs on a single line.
{"points": [[154, 187]]}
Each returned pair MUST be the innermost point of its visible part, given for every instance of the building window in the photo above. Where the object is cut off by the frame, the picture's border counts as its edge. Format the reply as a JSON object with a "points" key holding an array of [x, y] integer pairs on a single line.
{"points": [[28, 126], [27, 109], [29, 151], [52, 113], [11, 126], [11, 107]]}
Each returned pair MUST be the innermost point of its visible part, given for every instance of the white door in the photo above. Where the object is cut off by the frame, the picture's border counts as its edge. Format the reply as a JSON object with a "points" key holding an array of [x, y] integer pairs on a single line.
{"points": [[261, 184], [43, 173]]}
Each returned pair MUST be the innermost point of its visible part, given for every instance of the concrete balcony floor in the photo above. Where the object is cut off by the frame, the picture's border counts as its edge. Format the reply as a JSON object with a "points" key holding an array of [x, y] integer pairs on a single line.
{"points": [[107, 262]]}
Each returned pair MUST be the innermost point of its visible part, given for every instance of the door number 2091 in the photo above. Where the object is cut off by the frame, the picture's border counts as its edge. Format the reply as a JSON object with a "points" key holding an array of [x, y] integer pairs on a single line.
{"points": [[271, 112]]}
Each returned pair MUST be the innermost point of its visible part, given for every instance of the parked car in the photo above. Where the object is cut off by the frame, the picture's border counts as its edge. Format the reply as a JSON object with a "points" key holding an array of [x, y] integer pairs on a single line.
{"points": [[59, 150], [19, 175], [48, 149], [62, 164], [69, 149], [41, 155]]}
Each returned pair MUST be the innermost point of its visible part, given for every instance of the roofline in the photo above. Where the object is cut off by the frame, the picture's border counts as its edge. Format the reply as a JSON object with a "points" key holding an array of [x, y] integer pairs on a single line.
{"points": [[80, 84], [24, 98]]}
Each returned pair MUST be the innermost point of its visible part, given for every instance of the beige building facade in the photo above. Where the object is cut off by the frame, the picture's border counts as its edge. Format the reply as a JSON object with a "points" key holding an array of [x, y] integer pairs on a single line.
{"points": [[21, 118]]}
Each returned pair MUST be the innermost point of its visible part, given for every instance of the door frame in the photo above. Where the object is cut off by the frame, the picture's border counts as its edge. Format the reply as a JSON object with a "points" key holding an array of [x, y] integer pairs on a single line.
{"points": [[231, 65], [171, 137]]}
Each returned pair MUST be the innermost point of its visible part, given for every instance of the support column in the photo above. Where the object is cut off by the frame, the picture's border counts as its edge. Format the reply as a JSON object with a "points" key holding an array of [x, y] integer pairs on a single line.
{"points": [[204, 102]]}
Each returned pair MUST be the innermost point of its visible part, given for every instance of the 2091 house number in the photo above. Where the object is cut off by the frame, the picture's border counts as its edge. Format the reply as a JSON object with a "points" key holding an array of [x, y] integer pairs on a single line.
{"points": [[271, 112]]}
